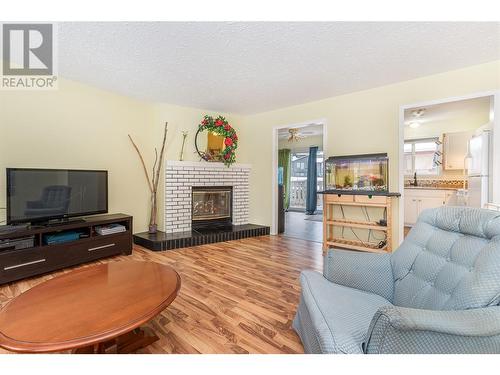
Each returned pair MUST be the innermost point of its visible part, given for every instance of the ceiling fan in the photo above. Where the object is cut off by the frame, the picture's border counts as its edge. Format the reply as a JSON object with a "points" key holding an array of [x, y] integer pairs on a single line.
{"points": [[295, 135]]}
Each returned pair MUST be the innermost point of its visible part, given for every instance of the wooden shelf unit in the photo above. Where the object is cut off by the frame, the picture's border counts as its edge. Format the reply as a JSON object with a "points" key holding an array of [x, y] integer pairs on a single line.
{"points": [[356, 245], [356, 200], [357, 224]]}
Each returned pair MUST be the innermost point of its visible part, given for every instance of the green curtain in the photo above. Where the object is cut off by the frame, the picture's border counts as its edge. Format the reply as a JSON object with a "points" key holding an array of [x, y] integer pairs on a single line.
{"points": [[285, 161]]}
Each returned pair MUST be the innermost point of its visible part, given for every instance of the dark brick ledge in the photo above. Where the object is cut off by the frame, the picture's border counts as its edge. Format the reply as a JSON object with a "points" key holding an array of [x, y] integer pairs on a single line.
{"points": [[169, 241]]}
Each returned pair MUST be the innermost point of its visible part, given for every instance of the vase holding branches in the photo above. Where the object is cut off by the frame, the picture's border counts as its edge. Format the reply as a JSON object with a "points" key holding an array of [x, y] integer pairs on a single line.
{"points": [[153, 180]]}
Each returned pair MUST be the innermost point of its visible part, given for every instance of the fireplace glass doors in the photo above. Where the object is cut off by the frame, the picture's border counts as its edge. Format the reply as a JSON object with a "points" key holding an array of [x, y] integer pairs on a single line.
{"points": [[212, 206]]}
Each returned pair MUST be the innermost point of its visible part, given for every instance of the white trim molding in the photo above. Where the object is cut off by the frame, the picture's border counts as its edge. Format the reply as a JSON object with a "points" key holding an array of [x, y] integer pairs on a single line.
{"points": [[495, 120], [274, 161]]}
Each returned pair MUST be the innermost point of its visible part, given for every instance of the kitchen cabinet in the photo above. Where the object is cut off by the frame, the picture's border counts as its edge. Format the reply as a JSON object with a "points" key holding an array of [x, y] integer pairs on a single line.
{"points": [[455, 149], [411, 210], [430, 202], [417, 200]]}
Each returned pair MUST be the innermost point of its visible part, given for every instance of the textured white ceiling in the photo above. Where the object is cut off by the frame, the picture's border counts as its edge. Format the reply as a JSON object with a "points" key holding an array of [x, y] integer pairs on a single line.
{"points": [[245, 67]]}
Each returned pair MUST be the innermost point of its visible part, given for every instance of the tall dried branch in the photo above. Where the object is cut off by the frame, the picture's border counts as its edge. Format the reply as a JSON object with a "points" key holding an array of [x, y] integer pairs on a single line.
{"points": [[154, 166], [143, 164], [157, 178]]}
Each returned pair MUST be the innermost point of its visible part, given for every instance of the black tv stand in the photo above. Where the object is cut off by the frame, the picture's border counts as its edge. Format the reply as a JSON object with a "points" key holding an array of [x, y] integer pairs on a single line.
{"points": [[13, 228], [56, 222], [17, 264]]}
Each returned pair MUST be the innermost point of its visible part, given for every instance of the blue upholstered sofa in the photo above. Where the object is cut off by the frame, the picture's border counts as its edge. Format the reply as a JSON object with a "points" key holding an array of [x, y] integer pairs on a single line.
{"points": [[439, 292]]}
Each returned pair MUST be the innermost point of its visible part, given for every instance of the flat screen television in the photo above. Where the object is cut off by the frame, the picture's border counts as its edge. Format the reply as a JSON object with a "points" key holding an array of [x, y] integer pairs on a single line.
{"points": [[37, 195]]}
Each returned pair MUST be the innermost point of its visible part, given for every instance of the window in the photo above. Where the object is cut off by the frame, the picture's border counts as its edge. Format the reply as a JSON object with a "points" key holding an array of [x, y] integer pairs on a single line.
{"points": [[421, 156], [298, 179]]}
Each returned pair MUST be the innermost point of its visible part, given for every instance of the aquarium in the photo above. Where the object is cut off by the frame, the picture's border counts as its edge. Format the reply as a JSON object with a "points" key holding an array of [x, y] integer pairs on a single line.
{"points": [[357, 172]]}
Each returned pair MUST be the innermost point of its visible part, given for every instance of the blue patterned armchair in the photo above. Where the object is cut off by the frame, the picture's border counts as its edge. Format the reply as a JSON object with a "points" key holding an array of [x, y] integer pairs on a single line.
{"points": [[439, 292]]}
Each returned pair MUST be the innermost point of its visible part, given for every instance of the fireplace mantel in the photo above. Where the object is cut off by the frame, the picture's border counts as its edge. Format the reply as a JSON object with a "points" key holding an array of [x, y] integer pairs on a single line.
{"points": [[181, 176], [205, 164]]}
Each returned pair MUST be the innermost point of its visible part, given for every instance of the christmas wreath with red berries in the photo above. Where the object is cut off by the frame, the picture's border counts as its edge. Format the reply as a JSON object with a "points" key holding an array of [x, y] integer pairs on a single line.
{"points": [[221, 127]]}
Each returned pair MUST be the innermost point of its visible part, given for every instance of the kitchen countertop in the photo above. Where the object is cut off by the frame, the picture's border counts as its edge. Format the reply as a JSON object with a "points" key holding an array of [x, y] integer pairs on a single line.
{"points": [[432, 188], [360, 192]]}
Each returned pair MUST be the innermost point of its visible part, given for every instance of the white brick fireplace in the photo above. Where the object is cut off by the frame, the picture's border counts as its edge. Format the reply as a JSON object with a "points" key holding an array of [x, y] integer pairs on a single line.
{"points": [[181, 176]]}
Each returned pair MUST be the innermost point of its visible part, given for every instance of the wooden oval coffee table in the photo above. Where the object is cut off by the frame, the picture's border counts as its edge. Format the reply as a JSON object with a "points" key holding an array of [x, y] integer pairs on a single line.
{"points": [[90, 309]]}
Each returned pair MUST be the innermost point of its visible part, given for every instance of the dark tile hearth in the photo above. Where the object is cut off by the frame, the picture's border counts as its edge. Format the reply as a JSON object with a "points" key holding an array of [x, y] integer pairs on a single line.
{"points": [[169, 241]]}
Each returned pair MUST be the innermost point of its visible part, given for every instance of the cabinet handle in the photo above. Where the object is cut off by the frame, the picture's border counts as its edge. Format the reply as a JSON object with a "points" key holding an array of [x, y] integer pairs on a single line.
{"points": [[101, 247], [24, 264]]}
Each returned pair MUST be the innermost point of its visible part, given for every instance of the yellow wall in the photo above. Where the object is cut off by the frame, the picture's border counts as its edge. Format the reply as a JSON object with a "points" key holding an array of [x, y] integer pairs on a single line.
{"points": [[82, 127], [79, 126], [183, 119], [360, 122]]}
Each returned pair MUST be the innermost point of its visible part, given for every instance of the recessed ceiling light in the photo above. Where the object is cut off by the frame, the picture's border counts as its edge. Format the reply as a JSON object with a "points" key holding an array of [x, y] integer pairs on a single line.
{"points": [[414, 124]]}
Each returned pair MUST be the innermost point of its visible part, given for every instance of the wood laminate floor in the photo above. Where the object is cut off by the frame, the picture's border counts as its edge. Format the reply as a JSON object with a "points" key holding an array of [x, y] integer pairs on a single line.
{"points": [[236, 296], [297, 226]]}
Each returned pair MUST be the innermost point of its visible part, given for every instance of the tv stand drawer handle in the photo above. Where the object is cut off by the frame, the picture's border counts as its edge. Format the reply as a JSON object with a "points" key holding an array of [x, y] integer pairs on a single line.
{"points": [[24, 264], [101, 247]]}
